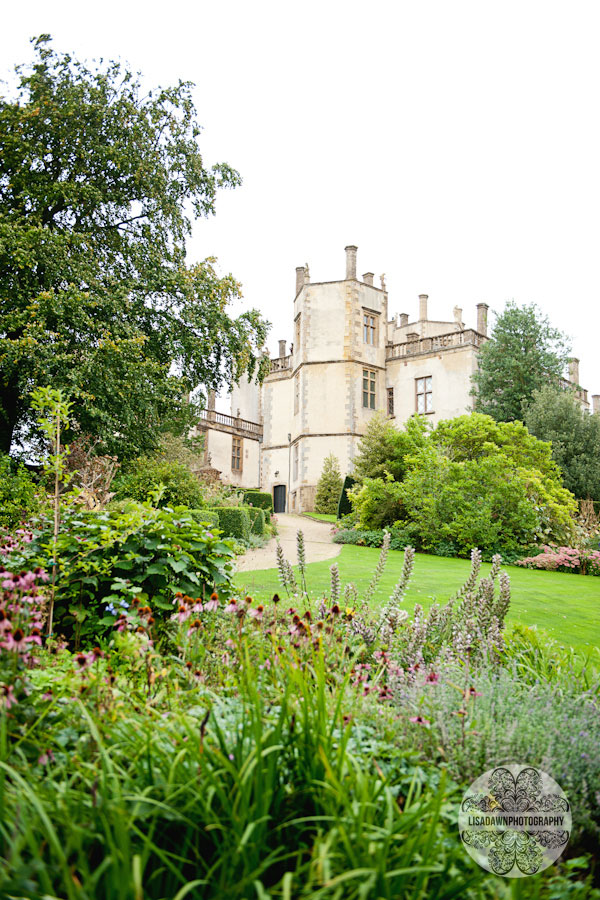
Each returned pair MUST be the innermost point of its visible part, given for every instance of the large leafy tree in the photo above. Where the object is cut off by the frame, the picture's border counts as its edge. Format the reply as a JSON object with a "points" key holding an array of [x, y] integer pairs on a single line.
{"points": [[523, 354], [99, 184], [556, 416]]}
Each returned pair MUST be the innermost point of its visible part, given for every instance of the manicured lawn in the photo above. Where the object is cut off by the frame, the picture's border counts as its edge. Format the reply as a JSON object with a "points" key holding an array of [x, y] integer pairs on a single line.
{"points": [[566, 607], [321, 517]]}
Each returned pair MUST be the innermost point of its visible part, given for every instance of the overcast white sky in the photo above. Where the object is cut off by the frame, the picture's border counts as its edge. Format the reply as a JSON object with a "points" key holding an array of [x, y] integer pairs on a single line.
{"points": [[456, 143]]}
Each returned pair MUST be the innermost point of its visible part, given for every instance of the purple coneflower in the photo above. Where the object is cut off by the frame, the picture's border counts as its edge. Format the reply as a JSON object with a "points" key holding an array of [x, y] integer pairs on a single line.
{"points": [[419, 720], [7, 696], [16, 641]]}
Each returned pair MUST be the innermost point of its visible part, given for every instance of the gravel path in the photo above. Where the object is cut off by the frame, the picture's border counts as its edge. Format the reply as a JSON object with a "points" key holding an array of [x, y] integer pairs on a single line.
{"points": [[317, 541]]}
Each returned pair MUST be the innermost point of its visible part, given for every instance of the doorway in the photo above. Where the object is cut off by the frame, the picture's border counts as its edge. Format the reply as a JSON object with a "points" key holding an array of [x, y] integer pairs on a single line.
{"points": [[279, 492]]}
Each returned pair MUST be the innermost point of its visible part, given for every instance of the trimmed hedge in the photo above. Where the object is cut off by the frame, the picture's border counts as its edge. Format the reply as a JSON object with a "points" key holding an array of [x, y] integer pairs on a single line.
{"points": [[344, 505], [257, 519], [259, 499], [205, 516], [234, 521]]}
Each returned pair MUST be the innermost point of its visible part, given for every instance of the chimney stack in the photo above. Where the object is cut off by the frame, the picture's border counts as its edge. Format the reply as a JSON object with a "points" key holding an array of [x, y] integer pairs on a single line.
{"points": [[596, 404], [212, 398], [282, 348], [351, 262], [403, 319], [423, 298], [368, 277], [458, 315], [574, 370], [482, 316], [299, 278]]}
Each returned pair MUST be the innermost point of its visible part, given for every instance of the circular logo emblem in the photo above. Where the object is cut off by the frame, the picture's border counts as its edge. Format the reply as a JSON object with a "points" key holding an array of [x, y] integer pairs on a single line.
{"points": [[515, 820]]}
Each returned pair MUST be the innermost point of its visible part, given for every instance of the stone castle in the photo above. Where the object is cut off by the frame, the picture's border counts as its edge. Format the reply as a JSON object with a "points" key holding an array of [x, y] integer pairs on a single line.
{"points": [[348, 359]]}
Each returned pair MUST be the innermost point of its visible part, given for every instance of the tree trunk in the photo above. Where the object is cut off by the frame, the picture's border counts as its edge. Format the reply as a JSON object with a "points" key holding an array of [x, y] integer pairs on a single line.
{"points": [[9, 414]]}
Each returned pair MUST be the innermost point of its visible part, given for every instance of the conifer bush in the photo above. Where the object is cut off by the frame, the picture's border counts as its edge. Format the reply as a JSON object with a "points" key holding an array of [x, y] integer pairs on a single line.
{"points": [[329, 486]]}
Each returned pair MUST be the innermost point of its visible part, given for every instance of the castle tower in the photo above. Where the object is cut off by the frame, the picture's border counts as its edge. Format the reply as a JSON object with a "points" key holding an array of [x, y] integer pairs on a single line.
{"points": [[319, 400]]}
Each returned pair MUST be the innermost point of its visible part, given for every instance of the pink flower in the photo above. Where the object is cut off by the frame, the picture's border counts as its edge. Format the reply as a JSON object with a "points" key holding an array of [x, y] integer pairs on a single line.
{"points": [[35, 637], [432, 678], [231, 606], [471, 692], [212, 605], [46, 757], [257, 613], [7, 696], [16, 641], [419, 720]]}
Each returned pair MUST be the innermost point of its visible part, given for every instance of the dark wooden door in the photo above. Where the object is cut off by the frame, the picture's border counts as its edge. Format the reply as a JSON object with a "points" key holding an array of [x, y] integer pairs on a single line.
{"points": [[279, 498]]}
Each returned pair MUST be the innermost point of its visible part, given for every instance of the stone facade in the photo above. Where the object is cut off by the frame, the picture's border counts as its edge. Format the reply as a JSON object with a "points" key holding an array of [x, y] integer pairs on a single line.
{"points": [[348, 359]]}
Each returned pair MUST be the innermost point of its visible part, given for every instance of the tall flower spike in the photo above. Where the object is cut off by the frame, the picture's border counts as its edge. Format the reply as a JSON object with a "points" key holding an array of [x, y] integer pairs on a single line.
{"points": [[281, 568], [335, 583], [385, 549], [471, 581]]}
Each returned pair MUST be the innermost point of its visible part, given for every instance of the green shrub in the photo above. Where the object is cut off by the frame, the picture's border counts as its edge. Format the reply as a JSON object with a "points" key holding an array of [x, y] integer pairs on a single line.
{"points": [[259, 499], [344, 506], [359, 537], [180, 487], [329, 486], [108, 557], [17, 493], [486, 502], [257, 519], [401, 536], [205, 516], [377, 502], [234, 521]]}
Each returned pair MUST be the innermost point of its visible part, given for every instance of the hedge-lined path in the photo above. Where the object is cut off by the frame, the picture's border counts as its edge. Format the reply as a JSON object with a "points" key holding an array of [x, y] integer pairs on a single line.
{"points": [[317, 542]]}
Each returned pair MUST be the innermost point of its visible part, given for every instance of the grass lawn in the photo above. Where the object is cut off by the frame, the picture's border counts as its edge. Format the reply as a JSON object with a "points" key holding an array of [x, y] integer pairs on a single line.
{"points": [[566, 607], [321, 517]]}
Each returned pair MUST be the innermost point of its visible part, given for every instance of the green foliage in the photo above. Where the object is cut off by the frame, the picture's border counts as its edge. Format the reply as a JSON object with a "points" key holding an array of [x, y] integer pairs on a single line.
{"points": [[378, 502], [488, 503], [115, 555], [18, 500], [99, 181], [475, 436], [329, 486], [524, 354], [234, 521], [177, 485], [260, 499], [224, 798], [383, 449], [472, 482], [401, 536], [344, 504], [206, 517], [257, 519], [556, 416], [262, 759]]}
